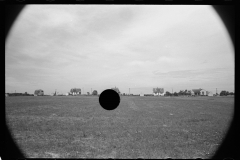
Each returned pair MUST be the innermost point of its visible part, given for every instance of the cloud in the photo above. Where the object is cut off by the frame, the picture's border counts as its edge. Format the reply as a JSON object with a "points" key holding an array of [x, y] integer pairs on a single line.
{"points": [[169, 60], [140, 63]]}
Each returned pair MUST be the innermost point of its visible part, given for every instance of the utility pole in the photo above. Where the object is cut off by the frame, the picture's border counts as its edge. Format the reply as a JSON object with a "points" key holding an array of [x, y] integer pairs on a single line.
{"points": [[216, 91], [129, 91], [91, 90]]}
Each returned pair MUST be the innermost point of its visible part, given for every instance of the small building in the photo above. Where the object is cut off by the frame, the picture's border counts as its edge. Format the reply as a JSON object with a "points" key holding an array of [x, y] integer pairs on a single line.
{"points": [[6, 95], [209, 93], [158, 94], [161, 94], [158, 91], [75, 91], [38, 92], [141, 94], [203, 92], [196, 92], [192, 93]]}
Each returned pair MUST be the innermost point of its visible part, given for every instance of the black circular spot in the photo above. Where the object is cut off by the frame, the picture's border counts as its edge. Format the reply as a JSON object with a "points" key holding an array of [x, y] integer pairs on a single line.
{"points": [[109, 99]]}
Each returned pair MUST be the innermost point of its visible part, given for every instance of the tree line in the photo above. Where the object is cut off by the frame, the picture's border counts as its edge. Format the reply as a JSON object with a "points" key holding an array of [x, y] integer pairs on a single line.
{"points": [[226, 93]]}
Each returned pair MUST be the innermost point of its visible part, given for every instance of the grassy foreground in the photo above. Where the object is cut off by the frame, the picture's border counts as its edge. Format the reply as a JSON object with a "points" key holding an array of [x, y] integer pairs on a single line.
{"points": [[141, 127]]}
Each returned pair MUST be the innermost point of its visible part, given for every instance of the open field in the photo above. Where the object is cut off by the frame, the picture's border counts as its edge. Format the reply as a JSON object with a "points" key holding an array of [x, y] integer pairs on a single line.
{"points": [[141, 127]]}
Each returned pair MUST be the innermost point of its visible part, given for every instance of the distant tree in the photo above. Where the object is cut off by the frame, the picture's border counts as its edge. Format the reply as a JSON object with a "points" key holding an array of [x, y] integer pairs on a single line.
{"points": [[39, 92], [155, 90], [123, 94], [88, 93], [168, 93], [223, 93], [185, 92], [180, 93], [116, 89], [94, 92], [175, 94], [231, 93], [75, 91]]}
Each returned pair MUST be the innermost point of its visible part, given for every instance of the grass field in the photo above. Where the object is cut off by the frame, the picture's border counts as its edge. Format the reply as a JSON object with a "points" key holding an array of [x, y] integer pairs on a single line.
{"points": [[141, 127]]}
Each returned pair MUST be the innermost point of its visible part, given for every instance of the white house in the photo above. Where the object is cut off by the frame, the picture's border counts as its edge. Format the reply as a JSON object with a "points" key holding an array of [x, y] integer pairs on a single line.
{"points": [[203, 92], [158, 91], [192, 93], [75, 91], [159, 94]]}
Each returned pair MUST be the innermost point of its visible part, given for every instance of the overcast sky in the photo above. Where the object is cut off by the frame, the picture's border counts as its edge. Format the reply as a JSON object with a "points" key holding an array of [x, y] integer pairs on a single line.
{"points": [[129, 46]]}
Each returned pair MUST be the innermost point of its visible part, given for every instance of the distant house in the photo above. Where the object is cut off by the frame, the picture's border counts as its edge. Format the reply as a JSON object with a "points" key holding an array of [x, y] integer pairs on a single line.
{"points": [[203, 92], [142, 94], [6, 94], [192, 93], [38, 92], [158, 91], [75, 91], [158, 94], [209, 93], [161, 94], [196, 92]]}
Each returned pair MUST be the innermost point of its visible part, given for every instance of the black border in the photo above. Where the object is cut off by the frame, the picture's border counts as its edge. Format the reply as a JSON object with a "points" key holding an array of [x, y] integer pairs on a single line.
{"points": [[228, 149]]}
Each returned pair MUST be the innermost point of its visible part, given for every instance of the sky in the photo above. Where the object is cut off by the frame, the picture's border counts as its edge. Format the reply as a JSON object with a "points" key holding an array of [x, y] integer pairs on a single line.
{"points": [[97, 47]]}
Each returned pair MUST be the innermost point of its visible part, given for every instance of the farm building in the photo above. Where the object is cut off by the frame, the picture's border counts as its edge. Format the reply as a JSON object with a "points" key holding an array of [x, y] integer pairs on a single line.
{"points": [[158, 91], [142, 94], [38, 92], [158, 94], [192, 93], [209, 93], [203, 92], [196, 92], [75, 91]]}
